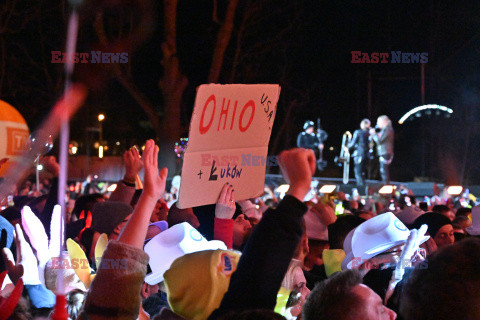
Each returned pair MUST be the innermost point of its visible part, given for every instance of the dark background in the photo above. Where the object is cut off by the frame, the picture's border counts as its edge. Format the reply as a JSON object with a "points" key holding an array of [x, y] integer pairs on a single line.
{"points": [[305, 46]]}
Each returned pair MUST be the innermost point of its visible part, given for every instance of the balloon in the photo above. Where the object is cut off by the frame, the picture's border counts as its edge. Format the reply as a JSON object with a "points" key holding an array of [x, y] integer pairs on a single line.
{"points": [[13, 135]]}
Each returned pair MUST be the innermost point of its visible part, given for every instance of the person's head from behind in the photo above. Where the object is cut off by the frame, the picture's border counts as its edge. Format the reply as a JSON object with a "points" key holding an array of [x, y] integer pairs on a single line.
{"points": [[74, 302], [365, 124], [344, 297], [110, 217], [85, 203], [177, 216], [423, 205], [444, 210], [462, 222], [463, 212], [338, 230], [451, 283]]}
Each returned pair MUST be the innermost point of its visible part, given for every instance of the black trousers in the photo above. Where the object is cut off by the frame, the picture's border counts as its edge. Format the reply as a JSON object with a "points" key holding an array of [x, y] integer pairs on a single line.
{"points": [[360, 166], [385, 161]]}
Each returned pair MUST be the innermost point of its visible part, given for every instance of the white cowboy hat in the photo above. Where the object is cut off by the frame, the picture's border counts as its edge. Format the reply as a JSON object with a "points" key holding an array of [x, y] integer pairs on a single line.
{"points": [[377, 235], [173, 243], [347, 247]]}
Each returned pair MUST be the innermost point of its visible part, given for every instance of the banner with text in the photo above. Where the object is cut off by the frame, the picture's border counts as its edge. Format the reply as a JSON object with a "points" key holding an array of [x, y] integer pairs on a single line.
{"points": [[228, 142]]}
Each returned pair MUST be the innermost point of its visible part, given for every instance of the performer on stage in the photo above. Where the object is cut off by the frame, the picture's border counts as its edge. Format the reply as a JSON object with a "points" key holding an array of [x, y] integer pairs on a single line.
{"points": [[308, 139], [359, 144], [384, 141]]}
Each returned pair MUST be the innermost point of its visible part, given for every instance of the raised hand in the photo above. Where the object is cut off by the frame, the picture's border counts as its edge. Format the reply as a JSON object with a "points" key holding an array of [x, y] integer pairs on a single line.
{"points": [[297, 165], [135, 230], [154, 182], [133, 164], [225, 207]]}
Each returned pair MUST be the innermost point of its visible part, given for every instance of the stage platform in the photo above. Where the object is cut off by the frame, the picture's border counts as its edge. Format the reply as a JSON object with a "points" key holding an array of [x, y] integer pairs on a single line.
{"points": [[418, 188]]}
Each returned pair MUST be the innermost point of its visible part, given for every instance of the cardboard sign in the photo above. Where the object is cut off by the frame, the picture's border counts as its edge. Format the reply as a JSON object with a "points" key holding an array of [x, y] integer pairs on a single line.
{"points": [[228, 142]]}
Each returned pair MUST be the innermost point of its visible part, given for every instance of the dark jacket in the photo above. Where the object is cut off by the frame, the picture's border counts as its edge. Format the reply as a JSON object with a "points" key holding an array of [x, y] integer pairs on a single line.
{"points": [[265, 259], [307, 141], [384, 141], [359, 143]]}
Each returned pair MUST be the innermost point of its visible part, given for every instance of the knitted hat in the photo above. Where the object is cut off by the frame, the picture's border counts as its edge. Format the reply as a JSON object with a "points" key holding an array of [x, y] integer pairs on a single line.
{"points": [[433, 220], [107, 215], [197, 282]]}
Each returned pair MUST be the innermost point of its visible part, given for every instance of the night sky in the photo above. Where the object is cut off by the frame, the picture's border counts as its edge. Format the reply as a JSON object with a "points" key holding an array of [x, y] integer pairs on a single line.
{"points": [[305, 46]]}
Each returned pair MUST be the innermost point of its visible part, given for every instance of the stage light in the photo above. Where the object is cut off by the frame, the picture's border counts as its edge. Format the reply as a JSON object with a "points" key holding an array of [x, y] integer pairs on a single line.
{"points": [[429, 107], [101, 117], [454, 190], [387, 189], [112, 187], [40, 167], [100, 152], [328, 188]]}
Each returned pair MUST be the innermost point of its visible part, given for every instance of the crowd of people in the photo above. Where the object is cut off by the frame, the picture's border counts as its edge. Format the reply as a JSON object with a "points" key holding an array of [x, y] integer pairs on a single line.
{"points": [[134, 254]]}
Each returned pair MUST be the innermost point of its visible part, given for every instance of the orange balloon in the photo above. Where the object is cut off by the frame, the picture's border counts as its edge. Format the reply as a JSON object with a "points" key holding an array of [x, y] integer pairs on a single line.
{"points": [[14, 133]]}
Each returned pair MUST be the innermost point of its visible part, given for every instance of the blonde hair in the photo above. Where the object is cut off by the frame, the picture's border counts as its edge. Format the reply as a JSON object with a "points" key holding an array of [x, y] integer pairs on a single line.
{"points": [[385, 118]]}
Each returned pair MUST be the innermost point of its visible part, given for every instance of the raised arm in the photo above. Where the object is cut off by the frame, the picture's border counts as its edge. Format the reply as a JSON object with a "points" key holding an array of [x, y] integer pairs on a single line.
{"points": [[224, 211], [135, 230], [115, 291], [126, 187], [269, 250]]}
